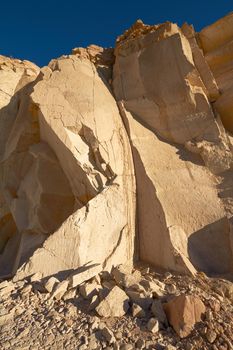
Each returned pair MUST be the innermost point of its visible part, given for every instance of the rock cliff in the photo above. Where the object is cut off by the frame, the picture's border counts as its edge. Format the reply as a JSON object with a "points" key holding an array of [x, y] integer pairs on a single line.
{"points": [[109, 156]]}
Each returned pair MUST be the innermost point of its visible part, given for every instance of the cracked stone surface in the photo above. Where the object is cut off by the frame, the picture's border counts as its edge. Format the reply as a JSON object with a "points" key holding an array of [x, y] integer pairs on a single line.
{"points": [[110, 156]]}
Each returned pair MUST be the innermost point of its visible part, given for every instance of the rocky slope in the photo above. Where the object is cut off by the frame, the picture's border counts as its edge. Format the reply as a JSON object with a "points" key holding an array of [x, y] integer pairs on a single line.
{"points": [[109, 157]]}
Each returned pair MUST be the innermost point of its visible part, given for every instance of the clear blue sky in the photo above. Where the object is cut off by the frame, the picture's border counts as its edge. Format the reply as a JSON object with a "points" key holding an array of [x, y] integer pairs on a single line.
{"points": [[42, 30]]}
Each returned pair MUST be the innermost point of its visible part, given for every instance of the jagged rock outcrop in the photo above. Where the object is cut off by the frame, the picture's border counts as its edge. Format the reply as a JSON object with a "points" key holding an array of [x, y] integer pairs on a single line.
{"points": [[77, 180], [112, 156]]}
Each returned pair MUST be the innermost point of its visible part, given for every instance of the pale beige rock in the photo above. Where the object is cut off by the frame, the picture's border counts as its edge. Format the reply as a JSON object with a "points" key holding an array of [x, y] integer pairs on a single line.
{"points": [[115, 304], [51, 283], [84, 274], [183, 312], [156, 287], [174, 109], [36, 277], [59, 290], [201, 64], [87, 290], [137, 311], [94, 302], [67, 176], [6, 318], [124, 276], [153, 325], [82, 161], [6, 289], [70, 294]]}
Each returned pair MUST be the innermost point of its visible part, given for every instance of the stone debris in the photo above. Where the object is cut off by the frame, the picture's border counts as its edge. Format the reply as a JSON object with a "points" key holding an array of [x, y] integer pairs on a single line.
{"points": [[29, 316]]}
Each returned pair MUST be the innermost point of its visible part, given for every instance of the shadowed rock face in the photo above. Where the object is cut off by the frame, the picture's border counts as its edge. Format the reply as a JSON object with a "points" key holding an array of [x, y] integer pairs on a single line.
{"points": [[107, 158]]}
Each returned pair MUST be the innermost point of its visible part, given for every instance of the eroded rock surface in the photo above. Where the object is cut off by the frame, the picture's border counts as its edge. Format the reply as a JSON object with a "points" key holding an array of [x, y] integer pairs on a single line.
{"points": [[108, 156], [161, 84]]}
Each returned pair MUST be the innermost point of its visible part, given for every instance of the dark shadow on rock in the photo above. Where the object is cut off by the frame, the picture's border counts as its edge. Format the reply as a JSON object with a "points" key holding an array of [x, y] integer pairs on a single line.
{"points": [[210, 250]]}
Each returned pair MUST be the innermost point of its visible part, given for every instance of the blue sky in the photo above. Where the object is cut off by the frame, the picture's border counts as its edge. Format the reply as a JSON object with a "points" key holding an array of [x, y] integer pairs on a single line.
{"points": [[42, 30]]}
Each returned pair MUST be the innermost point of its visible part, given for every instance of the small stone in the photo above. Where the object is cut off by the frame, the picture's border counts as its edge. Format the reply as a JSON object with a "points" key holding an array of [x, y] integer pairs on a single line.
{"points": [[126, 347], [139, 298], [87, 290], [59, 290], [156, 287], [51, 283], [118, 335], [6, 318], [153, 325], [209, 315], [36, 277], [94, 302], [211, 336], [124, 277], [69, 294], [171, 288], [140, 344], [108, 335], [137, 311], [26, 289], [167, 275], [6, 288], [171, 347]]}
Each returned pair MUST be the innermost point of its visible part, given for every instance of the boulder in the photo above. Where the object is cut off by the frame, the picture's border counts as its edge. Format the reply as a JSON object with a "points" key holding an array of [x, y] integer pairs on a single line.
{"points": [[115, 304], [183, 312]]}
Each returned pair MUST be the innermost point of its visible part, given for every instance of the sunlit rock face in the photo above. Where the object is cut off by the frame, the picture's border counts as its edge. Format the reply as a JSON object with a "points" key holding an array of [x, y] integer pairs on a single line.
{"points": [[163, 86], [110, 156]]}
